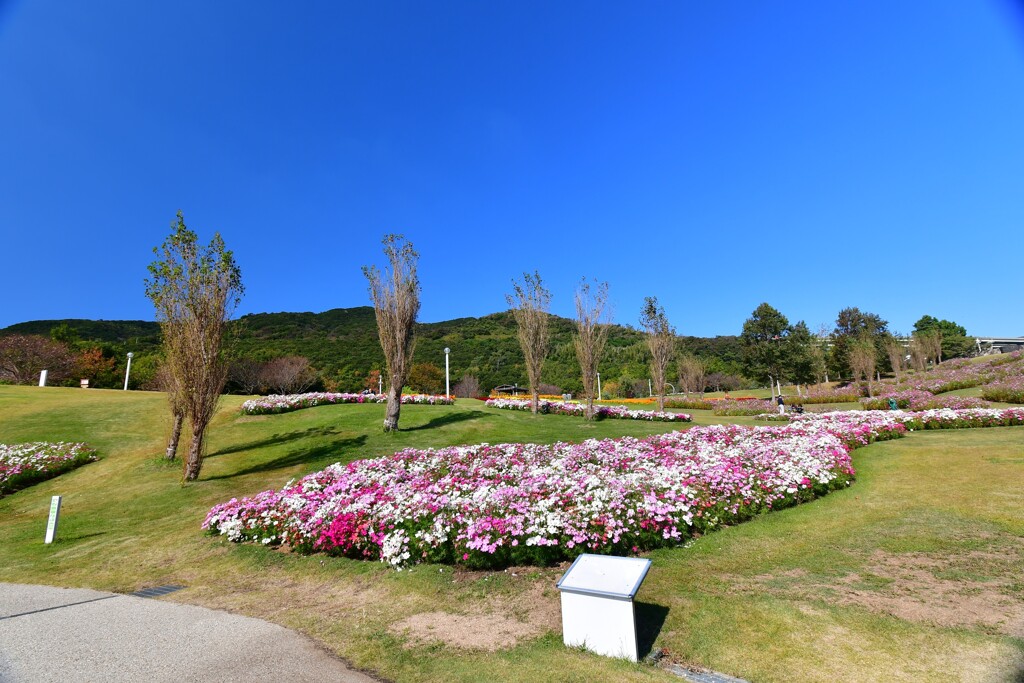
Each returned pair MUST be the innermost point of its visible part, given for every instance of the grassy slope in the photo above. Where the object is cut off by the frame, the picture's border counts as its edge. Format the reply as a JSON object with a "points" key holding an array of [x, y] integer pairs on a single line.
{"points": [[781, 598]]}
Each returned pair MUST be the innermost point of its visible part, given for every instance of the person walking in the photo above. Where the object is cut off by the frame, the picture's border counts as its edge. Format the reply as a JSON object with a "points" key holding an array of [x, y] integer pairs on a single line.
{"points": [[782, 405]]}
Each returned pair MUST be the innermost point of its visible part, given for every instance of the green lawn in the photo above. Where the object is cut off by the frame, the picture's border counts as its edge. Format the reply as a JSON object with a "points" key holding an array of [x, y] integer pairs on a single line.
{"points": [[913, 574]]}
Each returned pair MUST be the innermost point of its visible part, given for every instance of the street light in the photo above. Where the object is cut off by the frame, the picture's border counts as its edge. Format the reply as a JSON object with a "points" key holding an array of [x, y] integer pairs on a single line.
{"points": [[128, 370], [599, 386], [447, 390]]}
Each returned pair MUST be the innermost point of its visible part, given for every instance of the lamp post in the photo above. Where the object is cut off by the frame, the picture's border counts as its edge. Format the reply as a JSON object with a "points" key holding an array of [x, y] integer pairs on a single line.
{"points": [[599, 386], [128, 370], [447, 389], [380, 383]]}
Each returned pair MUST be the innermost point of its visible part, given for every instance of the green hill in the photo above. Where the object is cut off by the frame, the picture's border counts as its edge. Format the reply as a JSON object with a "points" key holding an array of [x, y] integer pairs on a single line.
{"points": [[342, 345]]}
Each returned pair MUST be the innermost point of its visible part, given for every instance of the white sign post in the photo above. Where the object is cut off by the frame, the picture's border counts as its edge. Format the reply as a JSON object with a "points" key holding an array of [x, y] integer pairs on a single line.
{"points": [[447, 390], [51, 524], [597, 604], [42, 378]]}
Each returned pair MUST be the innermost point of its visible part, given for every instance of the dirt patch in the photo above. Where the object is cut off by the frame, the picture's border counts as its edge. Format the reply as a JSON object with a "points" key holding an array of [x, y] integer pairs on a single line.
{"points": [[978, 589], [499, 622], [942, 591]]}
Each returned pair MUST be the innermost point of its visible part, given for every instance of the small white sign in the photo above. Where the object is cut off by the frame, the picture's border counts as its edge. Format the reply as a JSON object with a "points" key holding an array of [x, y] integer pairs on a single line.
{"points": [[42, 378], [597, 604], [51, 524]]}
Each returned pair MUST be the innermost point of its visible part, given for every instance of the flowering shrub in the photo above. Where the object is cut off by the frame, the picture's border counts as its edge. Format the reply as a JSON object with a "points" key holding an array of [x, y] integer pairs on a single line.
{"points": [[489, 506], [600, 412], [284, 404], [22, 465]]}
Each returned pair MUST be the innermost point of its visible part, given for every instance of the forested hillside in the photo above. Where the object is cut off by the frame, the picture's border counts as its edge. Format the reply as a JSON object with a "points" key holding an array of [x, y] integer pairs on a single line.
{"points": [[341, 345]]}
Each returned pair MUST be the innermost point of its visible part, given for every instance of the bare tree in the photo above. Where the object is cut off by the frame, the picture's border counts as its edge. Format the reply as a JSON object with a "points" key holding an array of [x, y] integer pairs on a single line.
{"points": [[895, 351], [862, 360], [592, 324], [24, 356], [468, 387], [166, 383], [396, 301], [194, 290], [530, 302], [692, 373], [918, 353], [247, 374], [288, 375], [932, 340], [661, 340]]}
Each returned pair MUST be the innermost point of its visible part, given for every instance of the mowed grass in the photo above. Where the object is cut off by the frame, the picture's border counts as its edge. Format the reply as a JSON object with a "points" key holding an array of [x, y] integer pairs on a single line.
{"points": [[912, 574]]}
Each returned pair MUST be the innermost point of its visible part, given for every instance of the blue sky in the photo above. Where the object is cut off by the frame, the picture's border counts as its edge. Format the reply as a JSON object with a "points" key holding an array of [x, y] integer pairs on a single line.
{"points": [[715, 155]]}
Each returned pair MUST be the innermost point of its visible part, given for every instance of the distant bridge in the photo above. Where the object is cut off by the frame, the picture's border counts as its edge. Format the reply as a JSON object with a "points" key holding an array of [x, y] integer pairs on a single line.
{"points": [[998, 344]]}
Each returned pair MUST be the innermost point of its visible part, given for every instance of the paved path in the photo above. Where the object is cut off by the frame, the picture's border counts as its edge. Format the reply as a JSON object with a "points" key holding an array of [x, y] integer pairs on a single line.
{"points": [[63, 634]]}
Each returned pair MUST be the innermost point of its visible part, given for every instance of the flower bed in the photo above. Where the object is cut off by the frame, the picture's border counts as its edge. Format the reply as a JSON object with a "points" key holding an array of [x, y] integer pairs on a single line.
{"points": [[944, 418], [283, 404], [689, 403], [849, 394], [25, 464], [916, 400], [492, 506], [745, 407], [1007, 391], [600, 412]]}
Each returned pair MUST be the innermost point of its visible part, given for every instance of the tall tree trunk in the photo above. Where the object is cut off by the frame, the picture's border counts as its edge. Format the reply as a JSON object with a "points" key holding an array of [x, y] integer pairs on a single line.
{"points": [[394, 408], [535, 402], [172, 443], [195, 452]]}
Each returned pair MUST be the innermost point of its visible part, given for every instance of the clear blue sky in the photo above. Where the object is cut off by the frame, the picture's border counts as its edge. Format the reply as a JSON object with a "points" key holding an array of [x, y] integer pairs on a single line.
{"points": [[814, 155]]}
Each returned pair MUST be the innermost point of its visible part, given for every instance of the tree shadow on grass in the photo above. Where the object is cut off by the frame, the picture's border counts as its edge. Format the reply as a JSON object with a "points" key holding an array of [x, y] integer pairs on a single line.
{"points": [[277, 439], [299, 456], [446, 419], [649, 620]]}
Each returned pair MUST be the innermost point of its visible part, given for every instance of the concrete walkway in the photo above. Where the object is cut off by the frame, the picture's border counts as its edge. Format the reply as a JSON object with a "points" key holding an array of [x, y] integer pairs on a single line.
{"points": [[62, 634]]}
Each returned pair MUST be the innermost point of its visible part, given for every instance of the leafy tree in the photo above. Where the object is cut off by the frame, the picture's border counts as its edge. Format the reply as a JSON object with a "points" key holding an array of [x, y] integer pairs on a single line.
{"points": [[194, 290], [765, 345], [954, 340], [372, 381], [661, 342], [396, 303], [426, 378], [91, 364], [852, 324], [804, 358], [65, 334], [530, 303]]}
